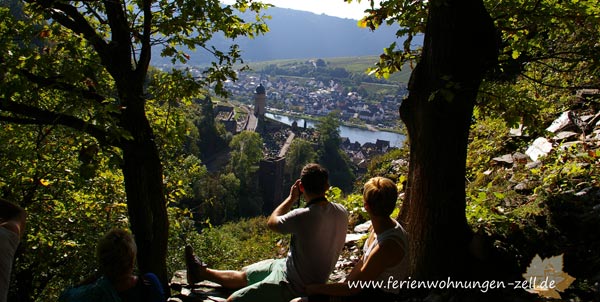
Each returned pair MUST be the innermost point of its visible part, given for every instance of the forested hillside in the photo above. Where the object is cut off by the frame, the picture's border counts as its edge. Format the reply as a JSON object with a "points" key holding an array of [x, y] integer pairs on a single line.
{"points": [[300, 35]]}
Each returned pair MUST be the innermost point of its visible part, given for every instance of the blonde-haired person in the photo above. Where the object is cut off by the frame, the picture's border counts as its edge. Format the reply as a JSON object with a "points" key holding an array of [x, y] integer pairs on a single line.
{"points": [[385, 251], [116, 253]]}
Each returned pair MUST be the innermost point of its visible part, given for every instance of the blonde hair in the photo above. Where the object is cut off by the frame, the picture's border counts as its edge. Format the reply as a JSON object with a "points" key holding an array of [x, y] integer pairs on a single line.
{"points": [[116, 253], [380, 194]]}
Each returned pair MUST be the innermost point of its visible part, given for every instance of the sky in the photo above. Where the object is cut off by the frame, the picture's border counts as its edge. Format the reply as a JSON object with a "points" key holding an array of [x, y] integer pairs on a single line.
{"points": [[336, 8]]}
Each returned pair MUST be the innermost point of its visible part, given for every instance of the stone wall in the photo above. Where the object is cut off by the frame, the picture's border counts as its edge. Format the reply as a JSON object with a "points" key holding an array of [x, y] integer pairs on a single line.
{"points": [[270, 181]]}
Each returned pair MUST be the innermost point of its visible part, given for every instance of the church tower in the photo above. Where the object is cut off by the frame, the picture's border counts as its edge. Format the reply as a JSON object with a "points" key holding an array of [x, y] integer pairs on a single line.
{"points": [[260, 102]]}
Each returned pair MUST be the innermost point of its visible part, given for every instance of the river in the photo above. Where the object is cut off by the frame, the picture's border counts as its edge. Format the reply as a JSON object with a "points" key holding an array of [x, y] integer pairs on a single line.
{"points": [[353, 133]]}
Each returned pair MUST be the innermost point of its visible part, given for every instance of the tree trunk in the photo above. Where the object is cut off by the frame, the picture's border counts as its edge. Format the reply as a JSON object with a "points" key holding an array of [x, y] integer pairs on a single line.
{"points": [[459, 45], [142, 168], [146, 201]]}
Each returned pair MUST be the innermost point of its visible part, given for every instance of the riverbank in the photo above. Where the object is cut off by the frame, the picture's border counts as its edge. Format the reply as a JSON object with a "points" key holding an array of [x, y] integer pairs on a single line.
{"points": [[365, 126], [361, 135]]}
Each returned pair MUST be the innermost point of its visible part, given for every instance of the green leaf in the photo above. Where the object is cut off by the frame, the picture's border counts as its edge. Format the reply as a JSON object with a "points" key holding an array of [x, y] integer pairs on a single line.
{"points": [[515, 54]]}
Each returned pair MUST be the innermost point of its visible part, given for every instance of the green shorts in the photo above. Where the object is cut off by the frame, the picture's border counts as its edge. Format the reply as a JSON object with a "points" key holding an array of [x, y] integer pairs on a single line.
{"points": [[267, 281]]}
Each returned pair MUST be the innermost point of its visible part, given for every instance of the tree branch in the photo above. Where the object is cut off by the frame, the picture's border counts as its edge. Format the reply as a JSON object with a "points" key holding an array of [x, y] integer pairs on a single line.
{"points": [[94, 12], [53, 83], [540, 82], [117, 20], [69, 17], [119, 65], [145, 54], [18, 120], [33, 115]]}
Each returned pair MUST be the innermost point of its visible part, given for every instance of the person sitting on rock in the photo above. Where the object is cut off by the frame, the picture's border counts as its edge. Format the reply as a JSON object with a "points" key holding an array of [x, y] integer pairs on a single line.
{"points": [[318, 236], [116, 253], [385, 252]]}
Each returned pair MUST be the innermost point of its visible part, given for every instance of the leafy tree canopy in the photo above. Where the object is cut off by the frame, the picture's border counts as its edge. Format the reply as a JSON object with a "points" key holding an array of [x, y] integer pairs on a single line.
{"points": [[301, 152], [69, 49], [84, 65], [331, 156]]}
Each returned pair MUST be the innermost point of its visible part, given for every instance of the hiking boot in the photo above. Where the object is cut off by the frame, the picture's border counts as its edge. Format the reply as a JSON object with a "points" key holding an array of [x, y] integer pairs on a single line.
{"points": [[194, 266]]}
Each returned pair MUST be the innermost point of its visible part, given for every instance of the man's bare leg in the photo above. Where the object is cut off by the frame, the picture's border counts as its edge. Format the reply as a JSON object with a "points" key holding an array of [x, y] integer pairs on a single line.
{"points": [[197, 271], [227, 279]]}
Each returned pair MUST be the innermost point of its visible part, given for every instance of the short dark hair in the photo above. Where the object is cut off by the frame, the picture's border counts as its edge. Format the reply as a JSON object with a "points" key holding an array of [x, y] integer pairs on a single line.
{"points": [[380, 194], [314, 178]]}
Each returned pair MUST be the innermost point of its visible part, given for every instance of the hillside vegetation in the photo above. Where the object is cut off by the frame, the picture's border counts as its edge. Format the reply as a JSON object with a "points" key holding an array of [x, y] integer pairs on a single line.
{"points": [[352, 65]]}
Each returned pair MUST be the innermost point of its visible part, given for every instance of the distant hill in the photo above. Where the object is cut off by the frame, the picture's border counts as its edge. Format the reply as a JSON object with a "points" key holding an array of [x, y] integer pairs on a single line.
{"points": [[297, 35]]}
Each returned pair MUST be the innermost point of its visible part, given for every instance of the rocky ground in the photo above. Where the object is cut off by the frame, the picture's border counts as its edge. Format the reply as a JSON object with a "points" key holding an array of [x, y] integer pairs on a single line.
{"points": [[207, 291]]}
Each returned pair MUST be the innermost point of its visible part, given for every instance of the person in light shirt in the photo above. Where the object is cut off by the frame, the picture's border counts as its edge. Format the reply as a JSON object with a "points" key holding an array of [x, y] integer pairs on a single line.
{"points": [[318, 235], [385, 251]]}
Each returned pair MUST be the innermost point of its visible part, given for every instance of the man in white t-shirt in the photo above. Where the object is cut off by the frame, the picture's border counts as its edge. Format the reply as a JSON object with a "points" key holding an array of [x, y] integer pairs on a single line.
{"points": [[12, 225], [318, 234]]}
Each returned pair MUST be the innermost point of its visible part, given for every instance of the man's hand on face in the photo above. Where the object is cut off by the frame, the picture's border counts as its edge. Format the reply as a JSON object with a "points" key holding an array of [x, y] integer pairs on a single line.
{"points": [[295, 191]]}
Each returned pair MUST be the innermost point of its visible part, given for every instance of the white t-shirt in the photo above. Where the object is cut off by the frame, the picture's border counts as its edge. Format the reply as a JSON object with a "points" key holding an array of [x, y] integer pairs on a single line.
{"points": [[8, 245], [399, 271], [318, 236]]}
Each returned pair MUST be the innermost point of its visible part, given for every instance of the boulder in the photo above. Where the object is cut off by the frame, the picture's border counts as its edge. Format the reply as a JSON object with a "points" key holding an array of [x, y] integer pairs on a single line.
{"points": [[533, 165], [517, 132], [540, 147], [363, 227], [561, 123], [520, 158], [526, 186], [506, 158], [563, 135], [352, 238], [200, 292], [592, 121]]}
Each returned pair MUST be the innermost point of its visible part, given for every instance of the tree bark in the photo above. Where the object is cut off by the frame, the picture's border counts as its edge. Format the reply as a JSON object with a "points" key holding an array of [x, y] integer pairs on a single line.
{"points": [[142, 167], [459, 46], [146, 203]]}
